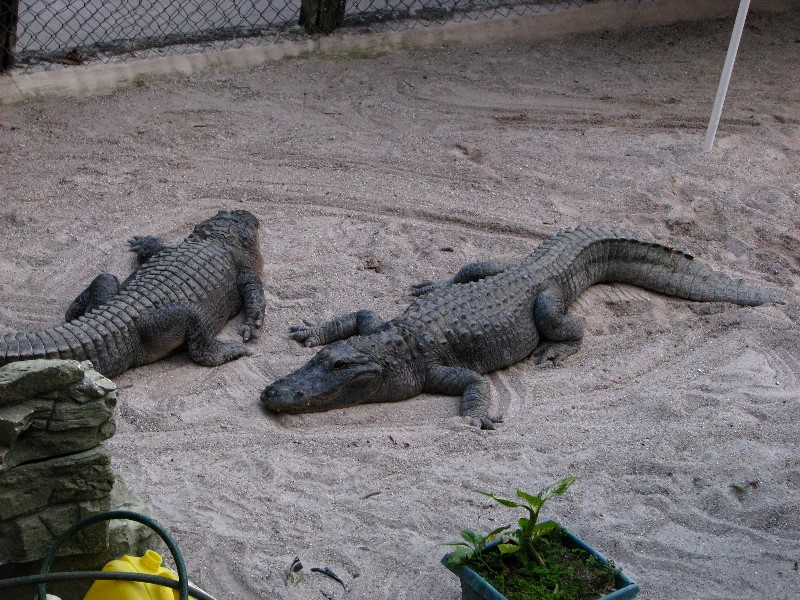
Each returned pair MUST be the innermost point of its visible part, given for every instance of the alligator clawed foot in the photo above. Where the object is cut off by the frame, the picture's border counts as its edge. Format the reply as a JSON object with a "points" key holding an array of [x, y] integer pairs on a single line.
{"points": [[219, 352], [487, 422], [233, 350], [304, 333], [250, 331]]}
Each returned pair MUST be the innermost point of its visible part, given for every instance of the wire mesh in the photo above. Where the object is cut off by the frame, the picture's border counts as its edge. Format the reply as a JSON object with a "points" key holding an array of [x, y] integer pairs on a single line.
{"points": [[66, 32]]}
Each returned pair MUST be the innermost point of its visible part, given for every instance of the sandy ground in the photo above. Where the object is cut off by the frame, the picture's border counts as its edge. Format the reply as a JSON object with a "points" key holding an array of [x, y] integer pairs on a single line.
{"points": [[371, 174]]}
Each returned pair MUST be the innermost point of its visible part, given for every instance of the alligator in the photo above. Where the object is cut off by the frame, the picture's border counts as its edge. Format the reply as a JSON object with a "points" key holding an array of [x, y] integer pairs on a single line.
{"points": [[488, 316], [178, 295]]}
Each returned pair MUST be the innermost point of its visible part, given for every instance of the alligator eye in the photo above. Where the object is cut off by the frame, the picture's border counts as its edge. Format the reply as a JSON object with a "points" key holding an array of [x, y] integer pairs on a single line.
{"points": [[340, 364]]}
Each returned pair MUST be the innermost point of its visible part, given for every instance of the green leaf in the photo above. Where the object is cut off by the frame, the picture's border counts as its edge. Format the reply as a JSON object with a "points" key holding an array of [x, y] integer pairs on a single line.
{"points": [[458, 557], [534, 501], [541, 529], [501, 500], [513, 536], [524, 523], [508, 548], [472, 537], [455, 544], [557, 488], [490, 536]]}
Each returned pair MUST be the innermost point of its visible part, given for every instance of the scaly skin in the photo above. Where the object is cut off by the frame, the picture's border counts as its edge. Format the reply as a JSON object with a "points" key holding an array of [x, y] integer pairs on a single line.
{"points": [[179, 295], [487, 317]]}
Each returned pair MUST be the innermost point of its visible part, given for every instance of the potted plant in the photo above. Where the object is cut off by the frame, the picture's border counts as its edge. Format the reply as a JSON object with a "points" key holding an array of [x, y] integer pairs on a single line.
{"points": [[537, 560]]}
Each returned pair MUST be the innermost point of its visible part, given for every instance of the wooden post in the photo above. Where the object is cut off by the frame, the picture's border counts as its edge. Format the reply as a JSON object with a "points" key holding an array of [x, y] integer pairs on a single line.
{"points": [[9, 11], [321, 16]]}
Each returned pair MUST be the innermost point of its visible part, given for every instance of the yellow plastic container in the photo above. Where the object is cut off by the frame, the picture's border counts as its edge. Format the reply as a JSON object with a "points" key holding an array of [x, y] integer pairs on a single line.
{"points": [[150, 564]]}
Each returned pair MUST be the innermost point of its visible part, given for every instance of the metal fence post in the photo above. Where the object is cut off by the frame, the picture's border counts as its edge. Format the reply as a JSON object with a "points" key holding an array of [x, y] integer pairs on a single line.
{"points": [[9, 11], [725, 78], [321, 16]]}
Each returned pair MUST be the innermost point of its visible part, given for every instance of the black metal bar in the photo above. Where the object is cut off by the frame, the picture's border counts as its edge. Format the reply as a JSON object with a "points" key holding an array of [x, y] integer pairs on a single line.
{"points": [[321, 16], [9, 12]]}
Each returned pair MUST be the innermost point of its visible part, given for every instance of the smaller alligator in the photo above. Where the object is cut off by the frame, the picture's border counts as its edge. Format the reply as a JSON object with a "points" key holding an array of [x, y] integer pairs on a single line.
{"points": [[487, 317], [178, 295]]}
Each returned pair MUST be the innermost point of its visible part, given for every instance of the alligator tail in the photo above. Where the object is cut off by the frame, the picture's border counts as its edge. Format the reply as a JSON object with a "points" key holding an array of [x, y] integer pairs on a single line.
{"points": [[675, 273], [73, 340], [586, 256]]}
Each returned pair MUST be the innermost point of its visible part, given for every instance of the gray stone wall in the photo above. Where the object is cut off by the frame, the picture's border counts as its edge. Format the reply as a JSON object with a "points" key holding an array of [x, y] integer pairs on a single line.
{"points": [[55, 470]]}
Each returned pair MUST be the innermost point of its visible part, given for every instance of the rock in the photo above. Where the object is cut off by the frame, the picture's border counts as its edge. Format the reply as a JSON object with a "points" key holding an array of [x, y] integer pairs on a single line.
{"points": [[29, 488], [130, 537], [38, 420], [54, 472], [121, 537], [23, 380], [28, 538]]}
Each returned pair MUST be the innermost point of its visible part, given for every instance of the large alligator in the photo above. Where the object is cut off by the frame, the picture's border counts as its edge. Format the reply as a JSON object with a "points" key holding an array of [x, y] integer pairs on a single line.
{"points": [[179, 295], [488, 316]]}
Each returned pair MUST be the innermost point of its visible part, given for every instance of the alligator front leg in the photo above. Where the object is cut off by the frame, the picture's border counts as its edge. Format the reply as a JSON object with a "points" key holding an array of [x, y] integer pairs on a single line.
{"points": [[170, 326], [471, 272], [561, 332], [362, 322], [251, 289], [473, 389], [102, 288]]}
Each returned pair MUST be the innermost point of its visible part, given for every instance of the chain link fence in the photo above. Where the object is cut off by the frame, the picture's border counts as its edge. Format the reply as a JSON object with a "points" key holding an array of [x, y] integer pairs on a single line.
{"points": [[40, 34]]}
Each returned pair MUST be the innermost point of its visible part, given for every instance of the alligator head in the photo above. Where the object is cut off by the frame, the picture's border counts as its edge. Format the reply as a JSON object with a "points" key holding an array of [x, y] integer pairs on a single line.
{"points": [[338, 376], [238, 228]]}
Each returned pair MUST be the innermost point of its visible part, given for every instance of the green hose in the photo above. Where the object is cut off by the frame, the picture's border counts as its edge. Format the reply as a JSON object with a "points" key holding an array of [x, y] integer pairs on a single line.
{"points": [[194, 592], [182, 585], [180, 566]]}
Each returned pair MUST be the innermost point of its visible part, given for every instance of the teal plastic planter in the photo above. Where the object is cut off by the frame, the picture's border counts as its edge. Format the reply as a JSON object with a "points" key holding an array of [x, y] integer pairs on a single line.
{"points": [[475, 587]]}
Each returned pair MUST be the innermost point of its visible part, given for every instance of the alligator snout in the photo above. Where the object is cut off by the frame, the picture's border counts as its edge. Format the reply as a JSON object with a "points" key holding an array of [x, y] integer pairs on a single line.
{"points": [[337, 376], [282, 398]]}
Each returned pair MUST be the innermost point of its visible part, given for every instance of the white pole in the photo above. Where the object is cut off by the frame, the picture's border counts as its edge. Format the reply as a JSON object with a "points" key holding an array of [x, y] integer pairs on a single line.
{"points": [[725, 78]]}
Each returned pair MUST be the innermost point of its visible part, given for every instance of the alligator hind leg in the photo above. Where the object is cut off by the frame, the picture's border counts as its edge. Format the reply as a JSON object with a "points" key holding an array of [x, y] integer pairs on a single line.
{"points": [[103, 287], [340, 328], [471, 272], [170, 326], [561, 332]]}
